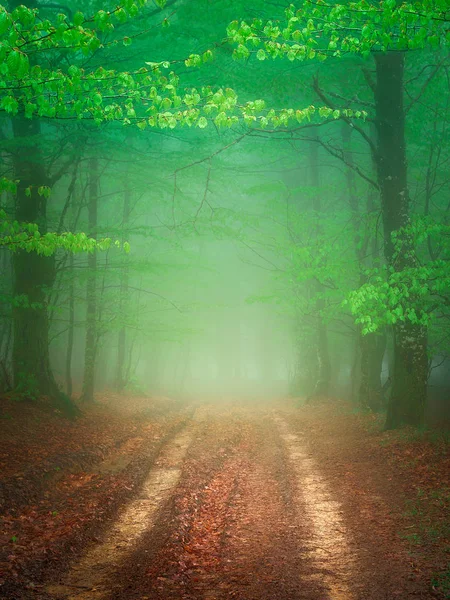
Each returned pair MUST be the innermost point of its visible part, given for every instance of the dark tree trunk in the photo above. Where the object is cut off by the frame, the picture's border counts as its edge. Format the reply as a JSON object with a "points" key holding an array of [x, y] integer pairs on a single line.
{"points": [[5, 320], [121, 349], [33, 276], [5, 359], [90, 353], [373, 347], [76, 210], [407, 401]]}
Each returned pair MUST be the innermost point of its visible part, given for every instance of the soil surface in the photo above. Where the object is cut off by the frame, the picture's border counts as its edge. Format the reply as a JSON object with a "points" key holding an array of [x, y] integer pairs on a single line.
{"points": [[268, 501]]}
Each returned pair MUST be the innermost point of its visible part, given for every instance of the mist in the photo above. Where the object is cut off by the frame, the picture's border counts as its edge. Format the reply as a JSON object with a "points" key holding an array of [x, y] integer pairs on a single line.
{"points": [[220, 226], [224, 299]]}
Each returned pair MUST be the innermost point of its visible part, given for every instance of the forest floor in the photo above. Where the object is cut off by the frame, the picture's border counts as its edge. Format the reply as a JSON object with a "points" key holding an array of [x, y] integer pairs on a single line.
{"points": [[234, 500]]}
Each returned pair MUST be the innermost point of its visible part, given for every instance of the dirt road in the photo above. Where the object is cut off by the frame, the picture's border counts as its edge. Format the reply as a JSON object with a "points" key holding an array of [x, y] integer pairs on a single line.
{"points": [[243, 503]]}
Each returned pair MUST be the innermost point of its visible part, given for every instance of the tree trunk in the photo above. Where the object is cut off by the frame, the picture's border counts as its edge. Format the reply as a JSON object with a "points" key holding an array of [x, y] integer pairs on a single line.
{"points": [[5, 319], [407, 401], [90, 353], [121, 375], [355, 369], [76, 210], [322, 386], [33, 274], [33, 277], [373, 347], [71, 326]]}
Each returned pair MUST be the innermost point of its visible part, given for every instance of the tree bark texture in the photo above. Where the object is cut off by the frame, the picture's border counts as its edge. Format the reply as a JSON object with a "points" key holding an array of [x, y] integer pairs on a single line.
{"points": [[409, 382]]}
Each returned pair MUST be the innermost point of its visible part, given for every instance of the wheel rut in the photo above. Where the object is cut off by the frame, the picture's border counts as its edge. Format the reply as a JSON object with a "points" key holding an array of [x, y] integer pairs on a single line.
{"points": [[232, 531], [235, 507], [93, 576], [328, 546]]}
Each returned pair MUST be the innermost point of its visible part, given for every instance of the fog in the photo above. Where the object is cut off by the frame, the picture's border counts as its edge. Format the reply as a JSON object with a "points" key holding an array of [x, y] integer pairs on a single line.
{"points": [[186, 217], [224, 299], [202, 312]]}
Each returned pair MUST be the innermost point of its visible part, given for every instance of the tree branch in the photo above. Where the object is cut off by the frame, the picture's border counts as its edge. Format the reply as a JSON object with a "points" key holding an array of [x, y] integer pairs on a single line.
{"points": [[330, 104]]}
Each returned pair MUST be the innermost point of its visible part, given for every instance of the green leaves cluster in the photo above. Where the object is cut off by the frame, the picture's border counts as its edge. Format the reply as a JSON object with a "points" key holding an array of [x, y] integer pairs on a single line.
{"points": [[415, 294], [35, 89], [26, 236], [318, 29], [148, 97]]}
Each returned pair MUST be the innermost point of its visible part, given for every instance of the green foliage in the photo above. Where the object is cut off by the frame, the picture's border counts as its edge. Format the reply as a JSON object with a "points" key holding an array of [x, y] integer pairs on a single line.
{"points": [[316, 30], [416, 294], [102, 94], [46, 74], [148, 96], [26, 236]]}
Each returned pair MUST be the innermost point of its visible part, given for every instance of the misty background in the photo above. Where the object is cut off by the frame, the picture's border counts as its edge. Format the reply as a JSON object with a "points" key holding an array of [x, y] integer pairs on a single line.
{"points": [[245, 243]]}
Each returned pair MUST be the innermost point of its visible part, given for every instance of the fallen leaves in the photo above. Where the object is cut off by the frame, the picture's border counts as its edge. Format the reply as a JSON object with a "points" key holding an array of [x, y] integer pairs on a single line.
{"points": [[62, 493]]}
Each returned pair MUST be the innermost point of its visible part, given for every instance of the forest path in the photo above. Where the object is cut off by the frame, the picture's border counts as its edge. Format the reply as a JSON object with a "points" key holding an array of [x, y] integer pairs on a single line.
{"points": [[239, 506]]}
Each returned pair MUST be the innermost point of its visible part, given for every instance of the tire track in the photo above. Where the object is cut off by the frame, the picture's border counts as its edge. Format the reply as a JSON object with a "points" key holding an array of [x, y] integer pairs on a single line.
{"points": [[92, 577], [329, 545], [236, 531]]}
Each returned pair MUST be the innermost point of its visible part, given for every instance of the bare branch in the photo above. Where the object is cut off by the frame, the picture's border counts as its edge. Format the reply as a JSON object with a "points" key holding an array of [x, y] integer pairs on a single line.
{"points": [[350, 122]]}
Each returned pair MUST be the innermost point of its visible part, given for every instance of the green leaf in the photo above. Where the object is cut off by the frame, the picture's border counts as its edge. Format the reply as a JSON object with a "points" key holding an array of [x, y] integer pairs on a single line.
{"points": [[261, 55], [73, 71], [13, 61], [194, 60], [5, 21], [10, 105], [78, 18]]}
